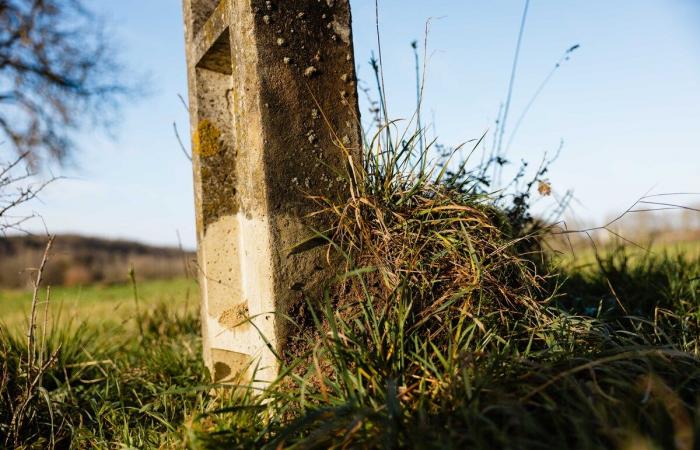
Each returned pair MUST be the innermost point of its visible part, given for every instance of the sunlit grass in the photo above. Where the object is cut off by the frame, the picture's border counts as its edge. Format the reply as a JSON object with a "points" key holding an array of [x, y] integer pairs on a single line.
{"points": [[584, 255], [99, 304]]}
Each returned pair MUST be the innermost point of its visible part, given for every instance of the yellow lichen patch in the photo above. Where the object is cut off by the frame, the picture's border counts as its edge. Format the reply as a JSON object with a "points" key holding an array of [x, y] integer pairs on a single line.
{"points": [[232, 318], [207, 139]]}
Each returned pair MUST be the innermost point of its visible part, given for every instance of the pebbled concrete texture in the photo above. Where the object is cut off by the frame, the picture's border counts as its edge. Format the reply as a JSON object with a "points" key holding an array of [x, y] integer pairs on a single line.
{"points": [[274, 117]]}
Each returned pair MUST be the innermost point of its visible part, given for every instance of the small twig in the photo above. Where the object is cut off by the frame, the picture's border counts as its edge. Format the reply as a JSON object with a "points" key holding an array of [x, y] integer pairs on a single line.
{"points": [[6, 170], [511, 84], [132, 277], [643, 200], [16, 188], [185, 263], [46, 320], [179, 141], [669, 205], [184, 103], [18, 415], [565, 57], [35, 299]]}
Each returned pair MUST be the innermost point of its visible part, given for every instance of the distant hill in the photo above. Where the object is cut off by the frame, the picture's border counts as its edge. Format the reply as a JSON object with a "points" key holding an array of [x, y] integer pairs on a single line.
{"points": [[79, 260]]}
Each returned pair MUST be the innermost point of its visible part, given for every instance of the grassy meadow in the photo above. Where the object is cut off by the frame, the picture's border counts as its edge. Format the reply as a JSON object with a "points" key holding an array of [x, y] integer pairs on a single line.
{"points": [[587, 373], [449, 326], [99, 304], [105, 372]]}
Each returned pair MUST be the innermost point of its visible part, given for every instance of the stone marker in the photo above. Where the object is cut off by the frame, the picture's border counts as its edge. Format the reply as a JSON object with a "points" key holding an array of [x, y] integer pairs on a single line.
{"points": [[274, 116]]}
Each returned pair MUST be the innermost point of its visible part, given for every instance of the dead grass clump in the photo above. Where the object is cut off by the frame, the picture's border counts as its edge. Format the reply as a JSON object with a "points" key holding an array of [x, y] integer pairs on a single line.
{"points": [[407, 234]]}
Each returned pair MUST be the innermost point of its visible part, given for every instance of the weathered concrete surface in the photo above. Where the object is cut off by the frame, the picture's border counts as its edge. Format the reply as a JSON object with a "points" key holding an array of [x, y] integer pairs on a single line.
{"points": [[273, 103]]}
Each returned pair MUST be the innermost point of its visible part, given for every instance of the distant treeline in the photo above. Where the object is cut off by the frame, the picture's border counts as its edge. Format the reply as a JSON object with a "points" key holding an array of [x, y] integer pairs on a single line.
{"points": [[79, 260]]}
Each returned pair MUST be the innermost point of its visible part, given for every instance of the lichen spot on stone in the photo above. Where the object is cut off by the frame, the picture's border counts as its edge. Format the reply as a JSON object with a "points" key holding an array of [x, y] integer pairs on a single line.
{"points": [[341, 30], [207, 139], [310, 71]]}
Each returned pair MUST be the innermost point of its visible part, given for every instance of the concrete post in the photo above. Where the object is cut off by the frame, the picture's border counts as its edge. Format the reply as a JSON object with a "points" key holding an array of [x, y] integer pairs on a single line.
{"points": [[274, 115]]}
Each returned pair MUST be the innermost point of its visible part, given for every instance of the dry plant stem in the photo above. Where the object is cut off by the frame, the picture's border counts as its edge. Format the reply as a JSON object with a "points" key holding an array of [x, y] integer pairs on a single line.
{"points": [[634, 208], [34, 371], [31, 345], [132, 277], [19, 414], [180, 143], [45, 325], [185, 263], [509, 96]]}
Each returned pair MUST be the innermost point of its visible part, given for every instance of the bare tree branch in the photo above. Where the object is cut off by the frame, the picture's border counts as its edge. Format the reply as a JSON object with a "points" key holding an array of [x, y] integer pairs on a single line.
{"points": [[58, 75], [17, 188]]}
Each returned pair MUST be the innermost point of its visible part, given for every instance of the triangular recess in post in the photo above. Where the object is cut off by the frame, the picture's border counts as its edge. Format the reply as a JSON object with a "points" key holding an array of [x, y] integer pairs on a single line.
{"points": [[218, 57]]}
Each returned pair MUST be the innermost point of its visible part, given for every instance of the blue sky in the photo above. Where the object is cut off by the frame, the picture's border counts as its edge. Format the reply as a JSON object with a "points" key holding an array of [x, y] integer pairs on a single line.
{"points": [[627, 104]]}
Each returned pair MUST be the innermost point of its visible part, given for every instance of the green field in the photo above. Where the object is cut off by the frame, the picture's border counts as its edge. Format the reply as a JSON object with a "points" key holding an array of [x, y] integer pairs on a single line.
{"points": [[585, 255], [99, 304]]}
